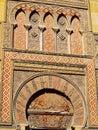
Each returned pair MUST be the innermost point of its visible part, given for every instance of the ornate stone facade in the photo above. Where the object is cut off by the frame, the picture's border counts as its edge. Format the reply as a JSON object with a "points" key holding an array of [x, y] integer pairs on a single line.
{"points": [[48, 74]]}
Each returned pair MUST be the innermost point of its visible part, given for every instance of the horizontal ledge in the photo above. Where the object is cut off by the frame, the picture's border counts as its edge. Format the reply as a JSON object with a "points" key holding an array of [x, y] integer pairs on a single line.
{"points": [[47, 53], [49, 112], [80, 4]]}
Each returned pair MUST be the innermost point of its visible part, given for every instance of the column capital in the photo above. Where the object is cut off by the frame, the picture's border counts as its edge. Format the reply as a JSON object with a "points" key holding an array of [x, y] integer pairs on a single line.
{"points": [[42, 27], [81, 31], [55, 29], [14, 24], [27, 25], [69, 30]]}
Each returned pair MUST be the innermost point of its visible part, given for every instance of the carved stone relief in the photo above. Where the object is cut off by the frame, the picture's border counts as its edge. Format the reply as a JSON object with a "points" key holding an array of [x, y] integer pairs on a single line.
{"points": [[79, 80], [19, 77]]}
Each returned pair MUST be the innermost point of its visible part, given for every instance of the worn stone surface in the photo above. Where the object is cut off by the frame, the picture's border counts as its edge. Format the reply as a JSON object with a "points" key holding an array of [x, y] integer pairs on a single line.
{"points": [[47, 66]]}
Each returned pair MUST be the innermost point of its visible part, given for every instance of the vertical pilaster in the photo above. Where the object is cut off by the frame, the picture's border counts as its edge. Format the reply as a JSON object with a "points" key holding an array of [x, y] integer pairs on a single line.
{"points": [[69, 30], [14, 25], [83, 46], [55, 29], [27, 26], [42, 28]]}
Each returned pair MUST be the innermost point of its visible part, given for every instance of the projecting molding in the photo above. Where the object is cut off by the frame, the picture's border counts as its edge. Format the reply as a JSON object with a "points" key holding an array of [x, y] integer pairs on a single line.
{"points": [[75, 3]]}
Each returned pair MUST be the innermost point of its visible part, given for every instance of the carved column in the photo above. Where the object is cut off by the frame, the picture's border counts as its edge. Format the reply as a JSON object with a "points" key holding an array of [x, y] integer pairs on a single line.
{"points": [[42, 28], [83, 47], [14, 25], [27, 26], [69, 30], [55, 29]]}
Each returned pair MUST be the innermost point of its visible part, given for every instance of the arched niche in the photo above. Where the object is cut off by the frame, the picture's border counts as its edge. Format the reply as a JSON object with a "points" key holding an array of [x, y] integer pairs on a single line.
{"points": [[62, 36], [76, 37], [33, 36], [48, 34], [19, 30], [53, 85], [49, 108]]}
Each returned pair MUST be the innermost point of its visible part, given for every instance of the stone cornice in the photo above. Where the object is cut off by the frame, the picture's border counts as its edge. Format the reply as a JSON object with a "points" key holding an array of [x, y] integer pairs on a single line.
{"points": [[47, 53], [79, 4]]}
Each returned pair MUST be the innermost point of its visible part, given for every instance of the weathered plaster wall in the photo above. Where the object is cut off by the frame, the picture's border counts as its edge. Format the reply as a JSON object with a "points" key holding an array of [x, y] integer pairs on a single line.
{"points": [[94, 14], [2, 10]]}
